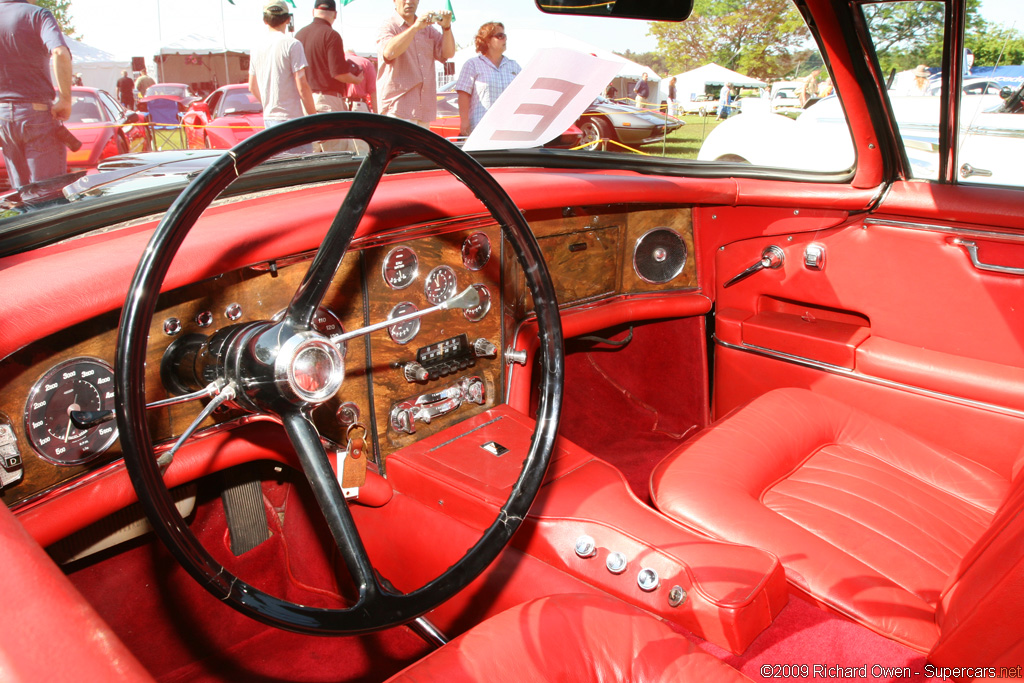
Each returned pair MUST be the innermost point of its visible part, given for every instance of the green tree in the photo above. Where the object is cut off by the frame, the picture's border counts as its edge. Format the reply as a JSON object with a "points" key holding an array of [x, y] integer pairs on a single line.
{"points": [[654, 60], [754, 37], [62, 13]]}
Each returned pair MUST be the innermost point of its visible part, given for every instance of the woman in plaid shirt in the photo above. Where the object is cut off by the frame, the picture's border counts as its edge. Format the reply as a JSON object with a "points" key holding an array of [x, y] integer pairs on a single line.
{"points": [[484, 77]]}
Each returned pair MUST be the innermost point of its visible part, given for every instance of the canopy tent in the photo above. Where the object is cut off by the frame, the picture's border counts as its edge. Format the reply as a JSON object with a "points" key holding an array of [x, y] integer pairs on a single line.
{"points": [[523, 43], [203, 61], [99, 69], [691, 84]]}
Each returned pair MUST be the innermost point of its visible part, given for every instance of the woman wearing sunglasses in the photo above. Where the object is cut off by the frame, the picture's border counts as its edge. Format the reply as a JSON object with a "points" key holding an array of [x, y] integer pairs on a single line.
{"points": [[483, 78]]}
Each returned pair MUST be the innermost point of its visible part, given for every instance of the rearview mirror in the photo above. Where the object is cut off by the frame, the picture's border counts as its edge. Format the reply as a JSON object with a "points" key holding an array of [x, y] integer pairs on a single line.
{"points": [[650, 10]]}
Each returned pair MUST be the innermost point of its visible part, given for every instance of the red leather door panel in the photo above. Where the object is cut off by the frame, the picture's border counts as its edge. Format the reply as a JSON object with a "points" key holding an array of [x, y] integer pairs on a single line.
{"points": [[897, 307]]}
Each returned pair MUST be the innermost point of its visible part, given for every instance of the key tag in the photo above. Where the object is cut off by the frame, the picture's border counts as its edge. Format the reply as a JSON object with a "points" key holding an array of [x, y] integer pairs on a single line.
{"points": [[353, 469]]}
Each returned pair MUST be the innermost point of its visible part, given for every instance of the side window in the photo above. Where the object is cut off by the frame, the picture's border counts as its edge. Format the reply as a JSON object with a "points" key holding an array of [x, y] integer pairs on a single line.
{"points": [[111, 105], [908, 38], [990, 139]]}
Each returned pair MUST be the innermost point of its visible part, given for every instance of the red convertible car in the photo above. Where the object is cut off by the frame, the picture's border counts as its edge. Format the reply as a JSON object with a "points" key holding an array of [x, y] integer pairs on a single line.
{"points": [[526, 415], [177, 92], [103, 126], [226, 117]]}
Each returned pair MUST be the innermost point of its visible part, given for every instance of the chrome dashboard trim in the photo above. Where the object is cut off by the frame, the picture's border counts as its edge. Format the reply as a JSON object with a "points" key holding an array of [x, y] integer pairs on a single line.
{"points": [[870, 379]]}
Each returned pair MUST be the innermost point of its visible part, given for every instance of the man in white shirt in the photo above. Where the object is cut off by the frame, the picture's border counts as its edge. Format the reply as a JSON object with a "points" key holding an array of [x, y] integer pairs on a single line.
{"points": [[277, 69]]}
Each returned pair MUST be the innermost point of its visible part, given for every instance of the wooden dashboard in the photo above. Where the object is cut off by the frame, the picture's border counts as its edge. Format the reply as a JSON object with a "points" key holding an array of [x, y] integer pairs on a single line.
{"points": [[593, 255]]}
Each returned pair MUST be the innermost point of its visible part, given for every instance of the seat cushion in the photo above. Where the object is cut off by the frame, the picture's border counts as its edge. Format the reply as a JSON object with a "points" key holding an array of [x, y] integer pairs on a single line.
{"points": [[866, 518], [570, 638]]}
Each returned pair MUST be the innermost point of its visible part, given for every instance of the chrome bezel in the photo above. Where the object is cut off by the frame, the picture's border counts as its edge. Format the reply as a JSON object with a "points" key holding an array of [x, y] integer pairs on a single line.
{"points": [[284, 368], [403, 339], [101, 446], [485, 304], [450, 287], [682, 262], [415, 267], [478, 264]]}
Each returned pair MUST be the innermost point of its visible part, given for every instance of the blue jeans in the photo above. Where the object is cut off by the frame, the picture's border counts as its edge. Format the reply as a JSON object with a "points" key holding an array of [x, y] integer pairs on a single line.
{"points": [[32, 150]]}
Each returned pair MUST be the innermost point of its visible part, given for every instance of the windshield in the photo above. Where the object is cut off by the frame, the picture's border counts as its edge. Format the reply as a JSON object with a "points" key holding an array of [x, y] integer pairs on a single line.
{"points": [[708, 90]]}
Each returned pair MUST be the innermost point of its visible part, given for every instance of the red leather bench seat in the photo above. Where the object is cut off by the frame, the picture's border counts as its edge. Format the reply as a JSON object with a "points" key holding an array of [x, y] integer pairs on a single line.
{"points": [[866, 519]]}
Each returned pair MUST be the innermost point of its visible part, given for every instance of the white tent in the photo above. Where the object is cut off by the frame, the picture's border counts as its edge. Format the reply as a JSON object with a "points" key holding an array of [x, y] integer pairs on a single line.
{"points": [[691, 84], [202, 60], [523, 43], [99, 69]]}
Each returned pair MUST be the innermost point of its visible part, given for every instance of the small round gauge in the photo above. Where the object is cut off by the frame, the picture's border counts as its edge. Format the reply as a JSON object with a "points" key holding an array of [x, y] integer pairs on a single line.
{"points": [[477, 313], [440, 284], [84, 384], [405, 332], [476, 251], [401, 266]]}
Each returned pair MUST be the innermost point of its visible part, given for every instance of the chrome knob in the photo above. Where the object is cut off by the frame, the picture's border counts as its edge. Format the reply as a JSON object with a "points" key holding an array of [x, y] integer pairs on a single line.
{"points": [[414, 372], [586, 546], [474, 391], [647, 579], [482, 348], [402, 420], [616, 562], [513, 356]]}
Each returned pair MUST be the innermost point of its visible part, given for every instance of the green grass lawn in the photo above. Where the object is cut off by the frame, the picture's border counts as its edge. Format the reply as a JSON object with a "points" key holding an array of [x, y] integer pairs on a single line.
{"points": [[685, 142]]}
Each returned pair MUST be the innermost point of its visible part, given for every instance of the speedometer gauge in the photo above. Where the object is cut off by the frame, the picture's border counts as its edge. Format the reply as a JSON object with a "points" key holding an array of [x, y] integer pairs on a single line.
{"points": [[83, 384]]}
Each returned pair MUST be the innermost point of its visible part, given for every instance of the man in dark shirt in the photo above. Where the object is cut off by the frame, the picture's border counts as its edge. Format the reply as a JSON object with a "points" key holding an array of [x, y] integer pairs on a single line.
{"points": [[126, 90], [31, 44], [329, 71]]}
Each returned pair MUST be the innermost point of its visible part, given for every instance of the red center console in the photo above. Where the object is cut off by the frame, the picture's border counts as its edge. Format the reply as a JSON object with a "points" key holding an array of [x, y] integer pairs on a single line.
{"points": [[587, 524]]}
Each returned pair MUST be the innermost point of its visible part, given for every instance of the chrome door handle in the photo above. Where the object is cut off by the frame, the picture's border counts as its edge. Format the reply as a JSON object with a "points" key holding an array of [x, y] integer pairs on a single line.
{"points": [[972, 250], [966, 171], [772, 257]]}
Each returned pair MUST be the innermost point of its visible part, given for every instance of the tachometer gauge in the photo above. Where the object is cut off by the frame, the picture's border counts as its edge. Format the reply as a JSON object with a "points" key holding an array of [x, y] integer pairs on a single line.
{"points": [[476, 251], [440, 284], [404, 332], [401, 266], [85, 384]]}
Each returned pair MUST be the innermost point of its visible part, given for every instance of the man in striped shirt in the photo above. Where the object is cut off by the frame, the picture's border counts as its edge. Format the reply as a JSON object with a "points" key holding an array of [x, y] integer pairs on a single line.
{"points": [[408, 46]]}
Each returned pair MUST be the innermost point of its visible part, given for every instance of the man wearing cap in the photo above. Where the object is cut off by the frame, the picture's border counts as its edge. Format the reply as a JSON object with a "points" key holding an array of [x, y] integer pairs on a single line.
{"points": [[408, 46], [31, 46], [277, 69], [329, 70]]}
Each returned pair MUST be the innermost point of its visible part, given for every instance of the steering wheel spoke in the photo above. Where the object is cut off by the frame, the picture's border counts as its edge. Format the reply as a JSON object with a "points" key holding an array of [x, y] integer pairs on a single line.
{"points": [[332, 250], [322, 479]]}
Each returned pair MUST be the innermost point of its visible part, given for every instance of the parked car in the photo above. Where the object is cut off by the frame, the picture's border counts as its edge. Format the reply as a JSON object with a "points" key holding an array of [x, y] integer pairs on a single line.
{"points": [[448, 123], [525, 415], [178, 92], [624, 123], [227, 116], [103, 126], [704, 105], [819, 138]]}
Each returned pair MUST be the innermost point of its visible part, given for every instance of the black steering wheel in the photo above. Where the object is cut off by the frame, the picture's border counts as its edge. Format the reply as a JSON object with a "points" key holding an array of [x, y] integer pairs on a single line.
{"points": [[262, 360]]}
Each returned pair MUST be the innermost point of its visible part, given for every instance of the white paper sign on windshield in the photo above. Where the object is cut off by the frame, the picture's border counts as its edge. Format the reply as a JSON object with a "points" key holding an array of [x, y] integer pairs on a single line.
{"points": [[554, 89]]}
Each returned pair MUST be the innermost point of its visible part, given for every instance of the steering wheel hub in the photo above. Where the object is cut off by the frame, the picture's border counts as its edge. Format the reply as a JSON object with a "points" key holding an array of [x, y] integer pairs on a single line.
{"points": [[309, 368]]}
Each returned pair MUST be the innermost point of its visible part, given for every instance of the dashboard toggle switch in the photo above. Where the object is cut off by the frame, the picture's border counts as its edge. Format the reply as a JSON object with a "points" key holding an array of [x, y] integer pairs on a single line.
{"points": [[425, 407]]}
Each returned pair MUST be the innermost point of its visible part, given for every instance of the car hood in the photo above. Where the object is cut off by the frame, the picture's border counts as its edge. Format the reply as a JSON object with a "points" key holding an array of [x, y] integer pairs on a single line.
{"points": [[132, 172]]}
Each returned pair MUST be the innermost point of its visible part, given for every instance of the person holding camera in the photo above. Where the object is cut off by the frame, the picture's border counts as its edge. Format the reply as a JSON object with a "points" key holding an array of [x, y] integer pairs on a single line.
{"points": [[408, 45], [329, 71], [31, 130]]}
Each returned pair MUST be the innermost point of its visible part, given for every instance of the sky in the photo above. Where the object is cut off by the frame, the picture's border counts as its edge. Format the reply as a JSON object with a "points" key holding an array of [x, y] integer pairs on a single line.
{"points": [[128, 28]]}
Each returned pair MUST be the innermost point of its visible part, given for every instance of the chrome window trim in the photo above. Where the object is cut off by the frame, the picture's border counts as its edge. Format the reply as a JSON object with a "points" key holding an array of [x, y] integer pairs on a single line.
{"points": [[946, 229]]}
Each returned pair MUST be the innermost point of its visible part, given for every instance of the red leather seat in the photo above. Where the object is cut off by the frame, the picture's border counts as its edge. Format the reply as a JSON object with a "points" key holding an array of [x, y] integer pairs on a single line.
{"points": [[898, 534], [570, 638]]}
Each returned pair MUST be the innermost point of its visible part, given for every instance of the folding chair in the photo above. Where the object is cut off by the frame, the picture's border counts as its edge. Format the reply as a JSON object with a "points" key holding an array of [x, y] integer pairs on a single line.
{"points": [[164, 122]]}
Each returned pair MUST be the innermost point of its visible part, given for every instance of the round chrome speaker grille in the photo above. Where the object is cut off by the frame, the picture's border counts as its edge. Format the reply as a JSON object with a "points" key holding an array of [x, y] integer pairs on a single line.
{"points": [[659, 256]]}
